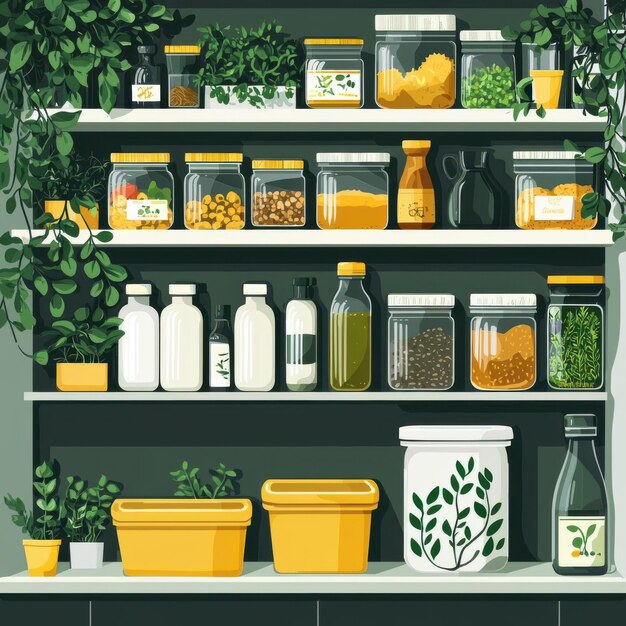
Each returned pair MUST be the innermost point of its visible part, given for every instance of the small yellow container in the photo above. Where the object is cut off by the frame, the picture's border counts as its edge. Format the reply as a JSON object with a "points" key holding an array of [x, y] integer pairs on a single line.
{"points": [[42, 556], [547, 84], [85, 219], [82, 376], [320, 526], [182, 537]]}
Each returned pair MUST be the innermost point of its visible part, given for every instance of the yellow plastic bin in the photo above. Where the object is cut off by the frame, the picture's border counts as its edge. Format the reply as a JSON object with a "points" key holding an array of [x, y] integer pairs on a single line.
{"points": [[182, 537], [320, 526]]}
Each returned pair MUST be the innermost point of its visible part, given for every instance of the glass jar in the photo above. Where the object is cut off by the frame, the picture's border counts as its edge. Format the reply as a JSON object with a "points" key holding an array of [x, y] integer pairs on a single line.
{"points": [[352, 190], [182, 76], [141, 191], [545, 66], [415, 61], [278, 193], [576, 332], [503, 341], [334, 73], [488, 77], [549, 187], [214, 191], [351, 331], [420, 341]]}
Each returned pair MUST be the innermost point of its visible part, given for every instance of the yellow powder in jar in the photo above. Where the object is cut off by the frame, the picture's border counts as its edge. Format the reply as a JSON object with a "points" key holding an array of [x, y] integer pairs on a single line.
{"points": [[352, 209]]}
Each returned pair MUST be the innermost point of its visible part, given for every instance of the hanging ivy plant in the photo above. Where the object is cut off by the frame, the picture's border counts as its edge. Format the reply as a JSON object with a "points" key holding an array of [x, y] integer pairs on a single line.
{"points": [[599, 69]]}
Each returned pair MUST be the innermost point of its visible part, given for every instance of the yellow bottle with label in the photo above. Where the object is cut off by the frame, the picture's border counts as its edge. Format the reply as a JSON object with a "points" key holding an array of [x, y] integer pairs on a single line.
{"points": [[416, 195]]}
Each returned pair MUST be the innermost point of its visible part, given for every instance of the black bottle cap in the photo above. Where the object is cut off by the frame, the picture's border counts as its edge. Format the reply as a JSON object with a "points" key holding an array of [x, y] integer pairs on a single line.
{"points": [[304, 282], [146, 49], [222, 311], [580, 425]]}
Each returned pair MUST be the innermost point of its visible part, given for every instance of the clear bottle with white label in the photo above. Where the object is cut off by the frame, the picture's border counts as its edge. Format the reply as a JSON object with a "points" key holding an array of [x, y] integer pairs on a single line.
{"points": [[255, 341], [580, 523], [138, 349], [220, 347], [301, 337], [182, 345]]}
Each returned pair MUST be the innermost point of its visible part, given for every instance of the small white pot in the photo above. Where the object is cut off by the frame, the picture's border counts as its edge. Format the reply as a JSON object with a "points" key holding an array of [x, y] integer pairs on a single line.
{"points": [[279, 101], [85, 555]]}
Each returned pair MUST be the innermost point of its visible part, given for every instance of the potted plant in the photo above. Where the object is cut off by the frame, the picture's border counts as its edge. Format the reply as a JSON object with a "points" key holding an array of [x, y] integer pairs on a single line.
{"points": [[225, 482], [257, 68], [86, 512], [42, 524]]}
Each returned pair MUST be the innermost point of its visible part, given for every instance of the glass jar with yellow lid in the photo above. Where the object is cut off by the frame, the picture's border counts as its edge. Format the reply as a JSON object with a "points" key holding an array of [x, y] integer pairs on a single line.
{"points": [[214, 191], [141, 191], [334, 73], [183, 88]]}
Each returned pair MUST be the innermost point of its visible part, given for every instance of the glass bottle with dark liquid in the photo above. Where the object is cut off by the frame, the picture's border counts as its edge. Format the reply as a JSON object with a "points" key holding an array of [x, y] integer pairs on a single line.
{"points": [[146, 81]]}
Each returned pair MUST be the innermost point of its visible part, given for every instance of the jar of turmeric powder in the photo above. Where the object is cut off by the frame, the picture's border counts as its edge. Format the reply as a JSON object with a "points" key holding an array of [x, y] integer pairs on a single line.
{"points": [[352, 190], [415, 61]]}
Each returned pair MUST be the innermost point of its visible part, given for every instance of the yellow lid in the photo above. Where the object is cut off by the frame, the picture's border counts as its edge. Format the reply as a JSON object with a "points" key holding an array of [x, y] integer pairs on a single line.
{"points": [[333, 42], [422, 143], [213, 157], [547, 73], [294, 164], [575, 280], [320, 492], [182, 49], [140, 157], [350, 268]]}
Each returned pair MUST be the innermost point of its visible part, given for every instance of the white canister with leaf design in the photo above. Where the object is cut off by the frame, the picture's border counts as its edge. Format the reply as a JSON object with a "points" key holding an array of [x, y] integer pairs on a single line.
{"points": [[456, 498]]}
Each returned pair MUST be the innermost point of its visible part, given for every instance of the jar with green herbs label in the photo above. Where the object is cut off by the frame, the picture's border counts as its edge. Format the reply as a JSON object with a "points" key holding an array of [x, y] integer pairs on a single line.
{"points": [[488, 71], [576, 332]]}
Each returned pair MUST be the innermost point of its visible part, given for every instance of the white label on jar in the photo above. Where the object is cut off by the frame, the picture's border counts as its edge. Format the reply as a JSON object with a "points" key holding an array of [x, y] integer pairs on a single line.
{"points": [[554, 208], [146, 93], [146, 209], [333, 85], [582, 541], [219, 359]]}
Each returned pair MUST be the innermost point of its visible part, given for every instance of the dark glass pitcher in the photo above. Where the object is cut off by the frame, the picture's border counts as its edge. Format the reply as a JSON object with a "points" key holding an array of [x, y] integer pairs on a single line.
{"points": [[475, 200]]}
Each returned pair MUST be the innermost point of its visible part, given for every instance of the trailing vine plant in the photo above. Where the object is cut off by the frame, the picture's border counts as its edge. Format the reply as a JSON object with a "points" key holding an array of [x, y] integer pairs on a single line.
{"points": [[599, 70]]}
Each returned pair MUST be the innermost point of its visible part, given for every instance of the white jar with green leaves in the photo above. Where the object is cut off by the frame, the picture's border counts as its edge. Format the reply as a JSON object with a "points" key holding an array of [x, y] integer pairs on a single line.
{"points": [[456, 498]]}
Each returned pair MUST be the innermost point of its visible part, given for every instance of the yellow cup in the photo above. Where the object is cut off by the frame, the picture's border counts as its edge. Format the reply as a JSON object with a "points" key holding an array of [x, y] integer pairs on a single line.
{"points": [[42, 556], [547, 87]]}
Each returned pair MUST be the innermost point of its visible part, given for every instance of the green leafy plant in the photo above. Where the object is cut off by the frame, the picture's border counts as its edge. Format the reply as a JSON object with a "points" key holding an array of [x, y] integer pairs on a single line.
{"points": [[44, 522], [224, 482], [85, 177], [248, 64], [471, 519], [85, 510], [491, 87], [581, 540], [598, 42]]}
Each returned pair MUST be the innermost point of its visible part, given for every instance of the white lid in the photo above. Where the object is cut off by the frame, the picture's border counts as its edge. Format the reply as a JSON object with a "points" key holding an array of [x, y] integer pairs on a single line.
{"points": [[353, 157], [498, 300], [482, 35], [182, 290], [425, 300], [415, 22], [138, 289], [550, 155], [255, 289], [456, 433]]}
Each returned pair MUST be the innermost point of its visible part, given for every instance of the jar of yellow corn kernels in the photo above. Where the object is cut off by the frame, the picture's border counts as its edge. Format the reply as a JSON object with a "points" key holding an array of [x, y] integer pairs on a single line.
{"points": [[214, 191], [141, 191]]}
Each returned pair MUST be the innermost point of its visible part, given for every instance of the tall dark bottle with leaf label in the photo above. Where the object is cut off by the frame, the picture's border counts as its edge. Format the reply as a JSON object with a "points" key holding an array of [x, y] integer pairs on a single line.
{"points": [[580, 524], [220, 350], [301, 337], [146, 81]]}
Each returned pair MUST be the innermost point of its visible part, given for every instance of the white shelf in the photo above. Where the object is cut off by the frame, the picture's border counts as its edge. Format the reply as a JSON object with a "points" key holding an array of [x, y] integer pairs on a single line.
{"points": [[253, 238], [333, 120], [318, 396], [260, 578]]}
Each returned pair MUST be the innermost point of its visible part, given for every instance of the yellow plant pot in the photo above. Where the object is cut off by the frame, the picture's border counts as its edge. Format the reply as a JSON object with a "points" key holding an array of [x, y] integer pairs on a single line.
{"points": [[547, 87], [320, 526], [84, 219], [182, 537], [42, 556], [82, 376]]}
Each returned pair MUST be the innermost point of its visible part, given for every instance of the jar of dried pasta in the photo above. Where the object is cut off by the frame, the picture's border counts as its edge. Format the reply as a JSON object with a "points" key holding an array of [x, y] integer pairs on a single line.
{"points": [[415, 61], [352, 190], [141, 191], [182, 76], [550, 190], [214, 191], [503, 341]]}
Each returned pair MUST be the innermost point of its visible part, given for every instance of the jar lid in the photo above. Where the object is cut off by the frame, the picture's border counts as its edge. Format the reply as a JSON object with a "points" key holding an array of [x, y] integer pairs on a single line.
{"points": [[353, 157], [146, 49], [255, 289], [140, 157], [420, 300], [139, 289], [575, 280], [547, 155], [481, 35], [182, 290], [456, 433], [415, 22], [580, 424], [333, 42], [182, 49], [213, 157], [506, 300], [351, 268], [421, 143], [294, 164]]}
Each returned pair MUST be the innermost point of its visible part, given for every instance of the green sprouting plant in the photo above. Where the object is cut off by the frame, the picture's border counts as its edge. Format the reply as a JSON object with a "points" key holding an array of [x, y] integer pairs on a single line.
{"points": [[471, 519], [580, 541], [85, 510], [44, 521], [85, 177], [225, 482], [491, 87]]}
